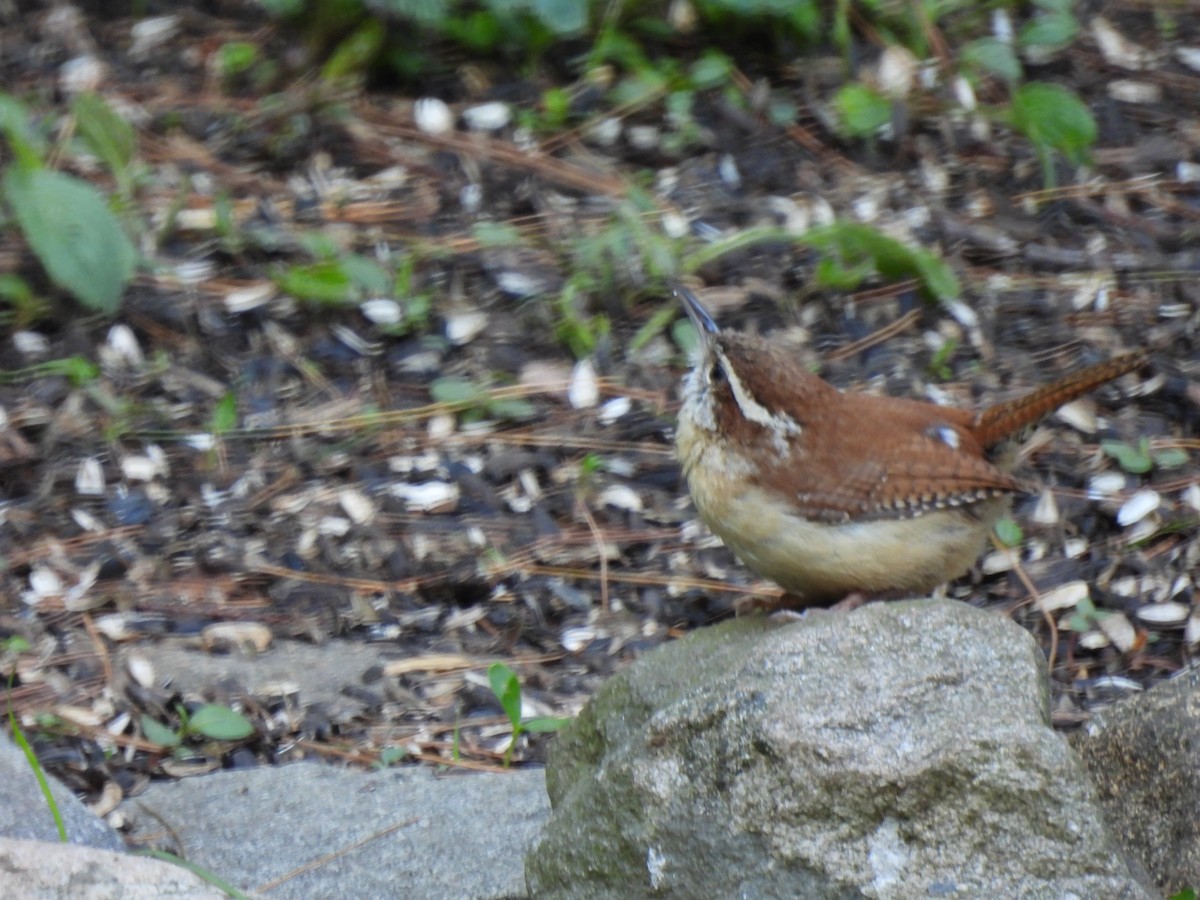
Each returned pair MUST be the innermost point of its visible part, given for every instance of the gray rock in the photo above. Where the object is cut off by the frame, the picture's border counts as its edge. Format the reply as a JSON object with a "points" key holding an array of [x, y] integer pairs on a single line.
{"points": [[393, 833], [1144, 756], [899, 751], [25, 815], [70, 872]]}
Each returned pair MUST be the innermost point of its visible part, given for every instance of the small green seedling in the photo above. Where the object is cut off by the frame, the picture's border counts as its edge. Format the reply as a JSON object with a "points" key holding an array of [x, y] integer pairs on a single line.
{"points": [[215, 722], [477, 402], [389, 756], [1086, 616], [940, 364], [508, 691], [1008, 532], [1141, 459]]}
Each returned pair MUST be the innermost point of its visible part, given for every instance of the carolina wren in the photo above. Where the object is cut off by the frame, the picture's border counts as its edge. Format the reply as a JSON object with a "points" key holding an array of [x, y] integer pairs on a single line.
{"points": [[831, 493]]}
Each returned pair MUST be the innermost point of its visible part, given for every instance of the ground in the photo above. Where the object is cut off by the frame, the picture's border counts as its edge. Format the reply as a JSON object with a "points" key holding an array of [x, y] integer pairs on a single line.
{"points": [[378, 381]]}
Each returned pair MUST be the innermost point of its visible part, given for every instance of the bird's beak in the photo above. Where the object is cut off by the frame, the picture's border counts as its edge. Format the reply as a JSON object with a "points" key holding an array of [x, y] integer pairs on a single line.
{"points": [[696, 312]]}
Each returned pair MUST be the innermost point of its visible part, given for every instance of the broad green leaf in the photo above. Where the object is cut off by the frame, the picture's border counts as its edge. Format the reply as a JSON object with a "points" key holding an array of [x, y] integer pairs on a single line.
{"points": [[507, 690], [236, 57], [496, 234], [1054, 117], [994, 57], [225, 417], [28, 146], [686, 337], [1136, 460], [108, 135], [1009, 532], [220, 723], [390, 755], [563, 17], [367, 274], [862, 110], [854, 247], [16, 289], [513, 409], [74, 234], [1171, 458], [355, 53], [711, 70], [1049, 30], [322, 282], [160, 734], [455, 391]]}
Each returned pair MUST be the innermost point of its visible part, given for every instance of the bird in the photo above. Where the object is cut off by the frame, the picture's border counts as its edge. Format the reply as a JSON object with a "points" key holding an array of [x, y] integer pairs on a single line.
{"points": [[840, 496]]}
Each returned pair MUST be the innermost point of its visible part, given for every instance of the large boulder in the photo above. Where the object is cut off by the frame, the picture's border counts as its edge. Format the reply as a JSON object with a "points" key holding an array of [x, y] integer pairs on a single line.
{"points": [[902, 750]]}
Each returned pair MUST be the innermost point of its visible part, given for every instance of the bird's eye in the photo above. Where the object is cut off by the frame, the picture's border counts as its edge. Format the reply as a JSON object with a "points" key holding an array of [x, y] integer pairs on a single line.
{"points": [[716, 375]]}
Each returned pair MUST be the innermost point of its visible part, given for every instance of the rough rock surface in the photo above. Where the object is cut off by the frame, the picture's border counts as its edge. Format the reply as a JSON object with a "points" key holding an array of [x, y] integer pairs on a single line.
{"points": [[903, 750], [322, 831], [1144, 757], [24, 814], [51, 871]]}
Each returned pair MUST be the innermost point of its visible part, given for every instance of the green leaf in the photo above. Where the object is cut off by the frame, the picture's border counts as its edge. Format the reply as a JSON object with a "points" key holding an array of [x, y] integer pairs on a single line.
{"points": [[236, 57], [563, 17], [512, 409], [686, 337], [390, 755], [711, 70], [994, 57], [1051, 31], [507, 690], [160, 734], [16, 290], [34, 764], [76, 369], [74, 235], [225, 417], [322, 282], [1054, 117], [653, 326], [220, 723], [856, 250], [355, 54], [455, 391], [1009, 532], [28, 146], [862, 110], [1135, 460], [496, 234], [1078, 622], [367, 274], [108, 135], [1171, 458]]}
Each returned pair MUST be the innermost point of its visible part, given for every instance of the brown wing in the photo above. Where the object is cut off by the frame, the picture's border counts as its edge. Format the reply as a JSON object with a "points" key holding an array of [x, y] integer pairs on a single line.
{"points": [[883, 457]]}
